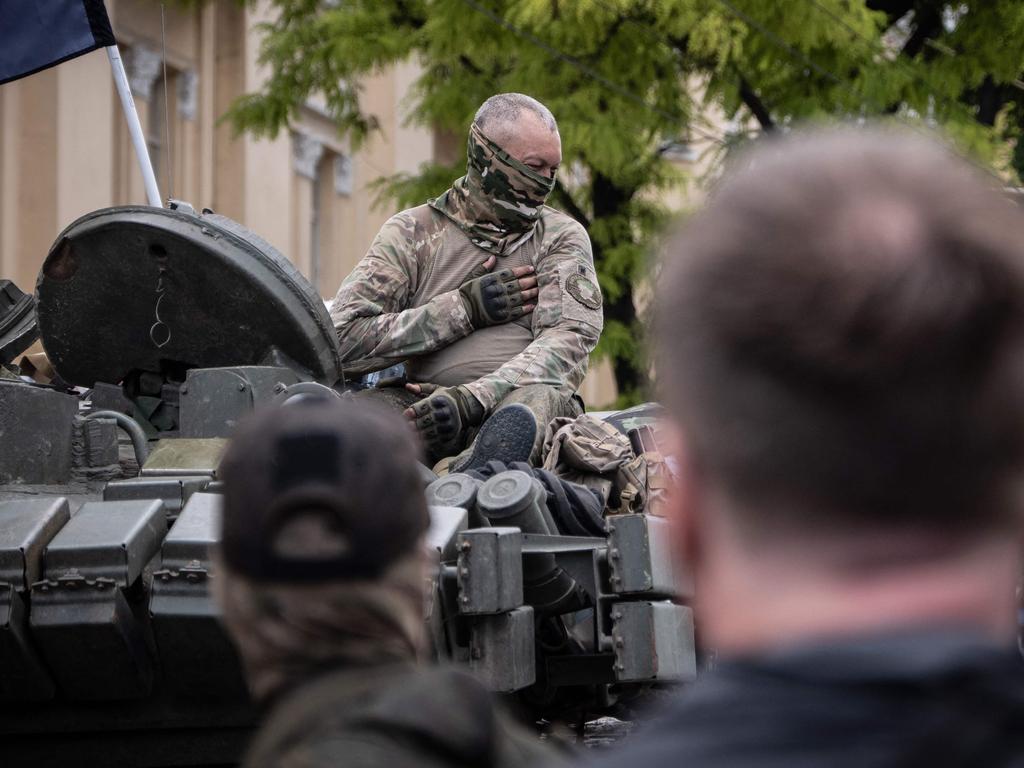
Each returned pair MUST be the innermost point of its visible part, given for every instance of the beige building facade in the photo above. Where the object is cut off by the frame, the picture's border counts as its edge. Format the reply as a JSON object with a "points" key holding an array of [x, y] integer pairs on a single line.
{"points": [[65, 151], [64, 147]]}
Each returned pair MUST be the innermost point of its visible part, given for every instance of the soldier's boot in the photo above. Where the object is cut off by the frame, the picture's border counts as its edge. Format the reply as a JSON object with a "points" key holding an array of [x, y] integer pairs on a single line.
{"points": [[544, 403], [508, 435]]}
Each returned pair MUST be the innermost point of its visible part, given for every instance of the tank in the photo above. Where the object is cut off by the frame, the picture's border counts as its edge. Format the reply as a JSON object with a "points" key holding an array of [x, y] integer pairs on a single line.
{"points": [[164, 327]]}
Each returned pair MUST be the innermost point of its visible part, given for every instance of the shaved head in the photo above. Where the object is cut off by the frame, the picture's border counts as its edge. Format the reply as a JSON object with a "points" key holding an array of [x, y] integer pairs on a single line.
{"points": [[497, 117], [524, 128]]}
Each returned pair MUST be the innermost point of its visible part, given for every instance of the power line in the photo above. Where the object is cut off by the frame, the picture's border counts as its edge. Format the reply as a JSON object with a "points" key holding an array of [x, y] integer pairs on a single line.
{"points": [[586, 69]]}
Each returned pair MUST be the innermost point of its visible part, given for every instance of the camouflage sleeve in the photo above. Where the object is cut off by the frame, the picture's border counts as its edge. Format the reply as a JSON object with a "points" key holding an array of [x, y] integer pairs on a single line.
{"points": [[375, 328], [566, 323]]}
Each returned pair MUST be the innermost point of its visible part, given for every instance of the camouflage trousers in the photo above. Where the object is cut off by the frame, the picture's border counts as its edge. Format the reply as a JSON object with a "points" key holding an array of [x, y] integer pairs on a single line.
{"points": [[546, 403]]}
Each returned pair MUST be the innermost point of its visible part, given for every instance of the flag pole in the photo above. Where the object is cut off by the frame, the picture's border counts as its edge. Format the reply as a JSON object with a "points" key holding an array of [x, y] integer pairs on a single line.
{"points": [[134, 126]]}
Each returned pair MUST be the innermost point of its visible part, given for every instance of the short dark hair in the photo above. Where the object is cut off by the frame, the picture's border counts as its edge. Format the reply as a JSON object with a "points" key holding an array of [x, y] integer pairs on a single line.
{"points": [[842, 336]]}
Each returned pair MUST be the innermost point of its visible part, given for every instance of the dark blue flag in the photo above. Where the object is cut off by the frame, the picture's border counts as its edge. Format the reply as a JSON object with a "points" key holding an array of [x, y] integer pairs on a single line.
{"points": [[36, 34]]}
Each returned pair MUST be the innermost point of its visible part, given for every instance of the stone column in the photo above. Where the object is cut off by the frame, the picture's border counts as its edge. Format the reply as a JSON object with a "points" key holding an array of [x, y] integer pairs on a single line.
{"points": [[306, 154], [343, 176], [335, 198], [186, 142], [143, 65]]}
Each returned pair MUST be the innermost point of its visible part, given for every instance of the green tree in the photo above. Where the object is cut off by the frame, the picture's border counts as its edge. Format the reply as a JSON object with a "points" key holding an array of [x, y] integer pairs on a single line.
{"points": [[629, 79]]}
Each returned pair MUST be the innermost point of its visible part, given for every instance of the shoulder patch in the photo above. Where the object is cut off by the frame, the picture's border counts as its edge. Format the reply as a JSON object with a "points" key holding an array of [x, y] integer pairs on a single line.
{"points": [[584, 291]]}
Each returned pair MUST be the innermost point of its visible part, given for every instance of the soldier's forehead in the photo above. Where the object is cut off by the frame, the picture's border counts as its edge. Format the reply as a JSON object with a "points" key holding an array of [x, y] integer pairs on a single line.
{"points": [[531, 138]]}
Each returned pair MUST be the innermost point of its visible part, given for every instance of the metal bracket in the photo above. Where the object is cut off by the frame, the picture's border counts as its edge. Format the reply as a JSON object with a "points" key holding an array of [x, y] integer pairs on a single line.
{"points": [[653, 641], [490, 570], [640, 556], [502, 650]]}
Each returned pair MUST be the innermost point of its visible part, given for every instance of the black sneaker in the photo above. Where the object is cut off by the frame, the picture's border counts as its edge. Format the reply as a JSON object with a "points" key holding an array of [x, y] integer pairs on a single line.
{"points": [[507, 436]]}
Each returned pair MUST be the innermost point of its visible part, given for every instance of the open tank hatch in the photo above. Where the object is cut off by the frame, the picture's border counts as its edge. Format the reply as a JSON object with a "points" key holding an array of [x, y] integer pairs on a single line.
{"points": [[136, 288]]}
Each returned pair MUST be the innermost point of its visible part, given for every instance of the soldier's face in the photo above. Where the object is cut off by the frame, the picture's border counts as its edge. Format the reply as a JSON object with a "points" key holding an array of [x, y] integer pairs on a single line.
{"points": [[532, 143]]}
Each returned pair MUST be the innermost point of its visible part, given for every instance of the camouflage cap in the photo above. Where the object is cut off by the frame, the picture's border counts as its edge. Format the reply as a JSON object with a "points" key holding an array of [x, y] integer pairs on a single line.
{"points": [[319, 490]]}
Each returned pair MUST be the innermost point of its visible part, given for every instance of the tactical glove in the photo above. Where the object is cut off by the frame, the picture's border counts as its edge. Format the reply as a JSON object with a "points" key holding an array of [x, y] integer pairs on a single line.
{"points": [[444, 415], [493, 299]]}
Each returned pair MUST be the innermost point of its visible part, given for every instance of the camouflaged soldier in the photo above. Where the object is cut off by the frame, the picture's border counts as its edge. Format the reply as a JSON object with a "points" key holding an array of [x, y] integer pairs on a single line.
{"points": [[322, 583], [488, 296]]}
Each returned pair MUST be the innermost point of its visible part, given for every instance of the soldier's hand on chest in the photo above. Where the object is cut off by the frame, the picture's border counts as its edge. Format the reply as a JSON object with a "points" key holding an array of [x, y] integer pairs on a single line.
{"points": [[499, 297]]}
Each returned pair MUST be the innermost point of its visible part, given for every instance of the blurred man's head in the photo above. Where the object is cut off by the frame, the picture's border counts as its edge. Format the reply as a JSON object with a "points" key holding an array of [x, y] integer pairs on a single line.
{"points": [[321, 556], [842, 341]]}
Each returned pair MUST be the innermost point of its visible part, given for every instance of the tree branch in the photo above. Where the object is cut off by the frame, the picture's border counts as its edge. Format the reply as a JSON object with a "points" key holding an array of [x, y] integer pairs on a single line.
{"points": [[990, 100], [757, 107], [570, 205], [466, 62]]}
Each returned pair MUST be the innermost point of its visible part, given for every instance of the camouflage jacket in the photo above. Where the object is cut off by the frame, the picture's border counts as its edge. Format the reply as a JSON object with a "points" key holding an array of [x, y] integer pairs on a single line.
{"points": [[382, 315]]}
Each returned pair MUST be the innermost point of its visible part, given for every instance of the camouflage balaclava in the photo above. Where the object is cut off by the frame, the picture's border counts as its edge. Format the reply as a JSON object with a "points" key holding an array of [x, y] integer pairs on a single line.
{"points": [[499, 200]]}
